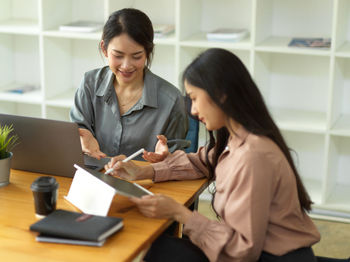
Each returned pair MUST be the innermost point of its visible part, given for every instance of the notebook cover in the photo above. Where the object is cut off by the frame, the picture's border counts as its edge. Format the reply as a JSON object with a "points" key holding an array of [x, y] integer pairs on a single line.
{"points": [[62, 240], [73, 225]]}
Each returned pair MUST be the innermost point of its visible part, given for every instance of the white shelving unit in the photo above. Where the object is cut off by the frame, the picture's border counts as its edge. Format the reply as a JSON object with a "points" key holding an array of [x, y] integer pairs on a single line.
{"points": [[307, 90]]}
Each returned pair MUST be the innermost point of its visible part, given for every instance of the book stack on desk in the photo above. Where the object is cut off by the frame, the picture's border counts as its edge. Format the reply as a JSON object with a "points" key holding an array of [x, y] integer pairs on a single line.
{"points": [[67, 227]]}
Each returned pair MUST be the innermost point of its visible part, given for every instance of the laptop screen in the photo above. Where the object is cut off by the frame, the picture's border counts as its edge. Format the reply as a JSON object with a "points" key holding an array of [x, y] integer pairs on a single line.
{"points": [[45, 146]]}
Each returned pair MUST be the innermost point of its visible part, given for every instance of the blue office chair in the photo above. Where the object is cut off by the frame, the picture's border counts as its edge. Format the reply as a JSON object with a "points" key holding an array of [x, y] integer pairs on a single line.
{"points": [[192, 135], [190, 143]]}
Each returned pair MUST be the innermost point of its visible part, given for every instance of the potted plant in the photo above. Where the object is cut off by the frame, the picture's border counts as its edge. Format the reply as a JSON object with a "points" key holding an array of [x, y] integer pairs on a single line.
{"points": [[7, 142]]}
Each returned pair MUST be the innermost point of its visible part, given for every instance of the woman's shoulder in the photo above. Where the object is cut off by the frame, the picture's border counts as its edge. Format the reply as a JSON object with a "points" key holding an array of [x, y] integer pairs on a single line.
{"points": [[164, 87], [97, 80], [258, 148], [97, 73]]}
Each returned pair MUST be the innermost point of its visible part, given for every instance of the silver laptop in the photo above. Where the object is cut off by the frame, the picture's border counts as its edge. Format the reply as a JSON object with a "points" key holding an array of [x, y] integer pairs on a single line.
{"points": [[48, 146]]}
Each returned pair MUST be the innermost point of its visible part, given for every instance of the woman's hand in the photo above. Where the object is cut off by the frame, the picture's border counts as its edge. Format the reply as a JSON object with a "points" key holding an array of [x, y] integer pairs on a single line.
{"points": [[161, 206], [89, 144], [161, 151], [129, 170]]}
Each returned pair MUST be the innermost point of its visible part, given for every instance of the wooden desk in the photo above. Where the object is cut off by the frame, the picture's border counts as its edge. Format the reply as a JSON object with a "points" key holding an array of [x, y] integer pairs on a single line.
{"points": [[17, 242]]}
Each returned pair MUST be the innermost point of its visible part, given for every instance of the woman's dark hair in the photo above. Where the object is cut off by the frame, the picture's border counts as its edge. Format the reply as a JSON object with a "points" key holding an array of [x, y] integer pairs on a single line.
{"points": [[135, 24], [222, 75]]}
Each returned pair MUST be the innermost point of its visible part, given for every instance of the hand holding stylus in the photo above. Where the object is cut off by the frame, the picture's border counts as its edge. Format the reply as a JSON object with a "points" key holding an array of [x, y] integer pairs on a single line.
{"points": [[127, 159]]}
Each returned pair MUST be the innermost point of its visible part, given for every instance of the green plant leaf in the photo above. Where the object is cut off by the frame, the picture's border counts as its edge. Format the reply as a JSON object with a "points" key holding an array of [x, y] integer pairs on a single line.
{"points": [[7, 141]]}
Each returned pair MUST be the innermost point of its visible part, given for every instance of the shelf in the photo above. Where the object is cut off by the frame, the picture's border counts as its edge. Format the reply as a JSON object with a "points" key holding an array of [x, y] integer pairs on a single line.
{"points": [[308, 153], [57, 113], [300, 120], [21, 108], [20, 26], [73, 35], [339, 199], [342, 126], [31, 97], [64, 100], [166, 40], [280, 45], [314, 188], [344, 50], [200, 40]]}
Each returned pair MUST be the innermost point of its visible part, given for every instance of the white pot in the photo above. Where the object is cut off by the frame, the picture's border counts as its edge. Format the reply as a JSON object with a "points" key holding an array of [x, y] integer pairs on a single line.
{"points": [[5, 165]]}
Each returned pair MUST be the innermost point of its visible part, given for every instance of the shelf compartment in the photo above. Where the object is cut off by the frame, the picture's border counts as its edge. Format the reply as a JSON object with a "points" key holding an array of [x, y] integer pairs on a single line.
{"points": [[31, 97], [188, 54], [65, 61], [309, 158], [340, 109], [343, 50], [276, 18], [200, 40], [74, 35], [300, 120], [18, 20], [197, 17], [164, 13], [342, 30], [20, 26], [23, 109], [279, 44], [163, 63], [291, 83], [167, 40], [338, 174], [57, 113], [20, 65], [341, 126], [67, 11], [62, 100], [338, 199]]}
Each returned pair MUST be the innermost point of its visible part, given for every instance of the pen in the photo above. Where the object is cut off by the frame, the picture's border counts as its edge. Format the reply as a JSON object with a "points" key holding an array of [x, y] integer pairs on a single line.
{"points": [[126, 160]]}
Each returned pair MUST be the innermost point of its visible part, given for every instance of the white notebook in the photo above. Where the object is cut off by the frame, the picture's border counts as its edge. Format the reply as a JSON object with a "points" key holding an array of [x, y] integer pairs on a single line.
{"points": [[227, 34], [81, 26]]}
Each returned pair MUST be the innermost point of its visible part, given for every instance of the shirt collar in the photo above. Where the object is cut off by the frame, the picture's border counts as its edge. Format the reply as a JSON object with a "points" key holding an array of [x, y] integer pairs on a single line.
{"points": [[238, 139], [106, 86], [149, 94]]}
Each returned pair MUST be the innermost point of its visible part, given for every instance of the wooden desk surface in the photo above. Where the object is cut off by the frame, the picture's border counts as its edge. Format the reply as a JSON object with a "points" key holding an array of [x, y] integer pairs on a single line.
{"points": [[17, 242]]}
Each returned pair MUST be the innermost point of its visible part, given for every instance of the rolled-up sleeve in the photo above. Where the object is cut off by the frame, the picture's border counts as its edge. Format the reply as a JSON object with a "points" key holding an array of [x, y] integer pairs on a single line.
{"points": [[181, 166], [82, 111]]}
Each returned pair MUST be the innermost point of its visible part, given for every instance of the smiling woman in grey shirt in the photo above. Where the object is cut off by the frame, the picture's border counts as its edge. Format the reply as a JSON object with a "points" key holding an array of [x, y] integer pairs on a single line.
{"points": [[122, 107], [160, 110]]}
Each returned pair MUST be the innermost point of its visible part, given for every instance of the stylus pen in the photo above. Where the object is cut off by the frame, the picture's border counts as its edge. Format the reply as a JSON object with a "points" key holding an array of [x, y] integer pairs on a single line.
{"points": [[127, 159]]}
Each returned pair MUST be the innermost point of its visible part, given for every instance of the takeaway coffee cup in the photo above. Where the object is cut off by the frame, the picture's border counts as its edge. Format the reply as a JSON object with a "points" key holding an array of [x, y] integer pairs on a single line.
{"points": [[45, 191]]}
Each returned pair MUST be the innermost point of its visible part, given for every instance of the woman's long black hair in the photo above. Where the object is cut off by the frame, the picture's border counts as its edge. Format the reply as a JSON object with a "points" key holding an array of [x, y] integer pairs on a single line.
{"points": [[222, 75]]}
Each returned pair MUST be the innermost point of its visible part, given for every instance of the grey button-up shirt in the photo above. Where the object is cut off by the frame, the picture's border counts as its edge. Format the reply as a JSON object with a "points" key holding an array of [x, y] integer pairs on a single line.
{"points": [[160, 110]]}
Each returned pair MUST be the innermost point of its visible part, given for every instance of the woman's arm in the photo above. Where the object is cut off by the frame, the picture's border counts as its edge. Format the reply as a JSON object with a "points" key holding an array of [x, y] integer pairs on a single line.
{"points": [[89, 144]]}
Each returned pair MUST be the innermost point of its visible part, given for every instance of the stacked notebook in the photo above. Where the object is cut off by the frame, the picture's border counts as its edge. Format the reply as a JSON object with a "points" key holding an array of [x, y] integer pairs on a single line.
{"points": [[81, 26], [227, 34], [67, 227], [163, 30]]}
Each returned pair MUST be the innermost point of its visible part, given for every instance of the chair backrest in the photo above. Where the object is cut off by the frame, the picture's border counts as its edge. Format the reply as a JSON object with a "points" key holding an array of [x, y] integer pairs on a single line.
{"points": [[192, 135]]}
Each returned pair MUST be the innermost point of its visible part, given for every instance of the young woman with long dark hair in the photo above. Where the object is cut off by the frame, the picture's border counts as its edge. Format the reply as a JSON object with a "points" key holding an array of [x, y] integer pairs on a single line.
{"points": [[260, 200]]}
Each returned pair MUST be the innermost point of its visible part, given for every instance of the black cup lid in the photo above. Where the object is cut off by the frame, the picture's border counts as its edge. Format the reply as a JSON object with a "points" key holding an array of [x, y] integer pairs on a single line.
{"points": [[44, 184]]}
